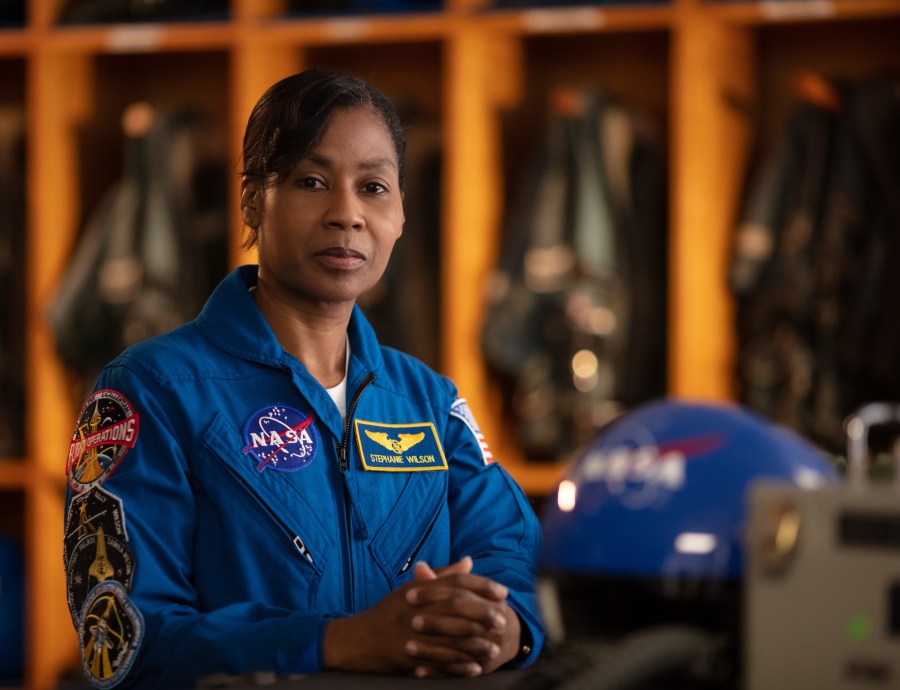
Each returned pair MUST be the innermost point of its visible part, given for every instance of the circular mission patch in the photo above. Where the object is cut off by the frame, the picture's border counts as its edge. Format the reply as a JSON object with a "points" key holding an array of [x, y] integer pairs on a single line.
{"points": [[280, 438], [95, 559], [109, 635], [106, 430]]}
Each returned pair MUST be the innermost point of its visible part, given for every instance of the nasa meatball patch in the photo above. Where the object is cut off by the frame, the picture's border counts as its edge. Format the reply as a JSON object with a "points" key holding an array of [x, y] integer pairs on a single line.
{"points": [[106, 430], [280, 438]]}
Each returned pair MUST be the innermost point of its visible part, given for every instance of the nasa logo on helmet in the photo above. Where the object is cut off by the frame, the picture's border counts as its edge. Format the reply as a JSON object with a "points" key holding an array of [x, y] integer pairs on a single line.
{"points": [[648, 524]]}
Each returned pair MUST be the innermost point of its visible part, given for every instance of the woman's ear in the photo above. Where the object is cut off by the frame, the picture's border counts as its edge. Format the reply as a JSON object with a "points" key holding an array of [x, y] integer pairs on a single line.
{"points": [[251, 203]]}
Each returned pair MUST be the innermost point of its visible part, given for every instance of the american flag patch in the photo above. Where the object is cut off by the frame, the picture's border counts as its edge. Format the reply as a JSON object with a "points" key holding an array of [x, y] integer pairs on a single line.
{"points": [[460, 409]]}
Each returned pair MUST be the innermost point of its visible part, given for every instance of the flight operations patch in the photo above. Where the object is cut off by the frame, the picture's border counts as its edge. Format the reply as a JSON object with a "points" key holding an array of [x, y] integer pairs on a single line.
{"points": [[110, 634], [399, 447], [107, 428]]}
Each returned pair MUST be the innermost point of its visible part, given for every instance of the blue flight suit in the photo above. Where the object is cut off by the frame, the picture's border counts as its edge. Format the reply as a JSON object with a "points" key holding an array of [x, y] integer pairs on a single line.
{"points": [[249, 514]]}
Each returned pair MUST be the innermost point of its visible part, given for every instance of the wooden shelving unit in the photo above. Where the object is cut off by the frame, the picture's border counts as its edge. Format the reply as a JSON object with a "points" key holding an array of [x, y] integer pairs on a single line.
{"points": [[718, 75]]}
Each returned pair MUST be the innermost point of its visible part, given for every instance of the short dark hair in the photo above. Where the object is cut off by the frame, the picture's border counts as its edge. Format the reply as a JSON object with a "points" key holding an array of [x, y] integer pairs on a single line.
{"points": [[288, 120]]}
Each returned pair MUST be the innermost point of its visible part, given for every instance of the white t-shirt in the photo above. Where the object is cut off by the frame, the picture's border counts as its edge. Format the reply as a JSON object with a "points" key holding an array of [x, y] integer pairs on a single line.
{"points": [[339, 392]]}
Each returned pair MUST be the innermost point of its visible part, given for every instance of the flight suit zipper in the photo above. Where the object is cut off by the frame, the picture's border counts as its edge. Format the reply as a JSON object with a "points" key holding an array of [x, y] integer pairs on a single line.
{"points": [[415, 551], [294, 538], [343, 448], [343, 451]]}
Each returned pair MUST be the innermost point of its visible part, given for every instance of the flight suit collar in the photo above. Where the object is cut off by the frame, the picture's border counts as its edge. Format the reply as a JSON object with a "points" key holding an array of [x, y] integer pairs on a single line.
{"points": [[233, 322]]}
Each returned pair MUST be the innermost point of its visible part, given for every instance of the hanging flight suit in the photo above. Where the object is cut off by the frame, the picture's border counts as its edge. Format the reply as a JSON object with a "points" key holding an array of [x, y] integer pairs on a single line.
{"points": [[12, 282], [813, 269], [152, 250], [568, 335]]}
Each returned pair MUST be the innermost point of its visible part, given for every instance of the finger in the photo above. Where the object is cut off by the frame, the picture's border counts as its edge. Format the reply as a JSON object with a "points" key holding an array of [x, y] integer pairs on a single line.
{"points": [[468, 670], [437, 650], [423, 571], [462, 566], [447, 586], [449, 626], [459, 603], [449, 614]]}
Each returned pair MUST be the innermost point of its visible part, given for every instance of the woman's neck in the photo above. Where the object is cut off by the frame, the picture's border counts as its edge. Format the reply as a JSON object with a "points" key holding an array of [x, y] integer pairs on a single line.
{"points": [[317, 336]]}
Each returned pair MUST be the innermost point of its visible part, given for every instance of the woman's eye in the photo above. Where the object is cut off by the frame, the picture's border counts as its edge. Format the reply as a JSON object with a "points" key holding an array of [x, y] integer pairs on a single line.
{"points": [[374, 188], [310, 183]]}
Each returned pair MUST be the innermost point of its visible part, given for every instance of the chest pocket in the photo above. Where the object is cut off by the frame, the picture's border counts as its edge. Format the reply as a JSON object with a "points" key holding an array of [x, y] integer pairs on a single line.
{"points": [[272, 496], [417, 527]]}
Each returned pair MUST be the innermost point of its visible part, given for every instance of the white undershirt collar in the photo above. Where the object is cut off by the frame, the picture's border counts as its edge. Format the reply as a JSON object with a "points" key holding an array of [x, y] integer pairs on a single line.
{"points": [[339, 393]]}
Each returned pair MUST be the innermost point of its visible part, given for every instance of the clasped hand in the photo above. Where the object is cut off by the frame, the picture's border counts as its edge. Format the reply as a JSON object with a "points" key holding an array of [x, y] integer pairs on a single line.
{"points": [[444, 622]]}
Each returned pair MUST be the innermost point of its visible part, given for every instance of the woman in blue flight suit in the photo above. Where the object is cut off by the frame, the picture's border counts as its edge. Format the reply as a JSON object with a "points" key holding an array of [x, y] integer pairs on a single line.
{"points": [[268, 489]]}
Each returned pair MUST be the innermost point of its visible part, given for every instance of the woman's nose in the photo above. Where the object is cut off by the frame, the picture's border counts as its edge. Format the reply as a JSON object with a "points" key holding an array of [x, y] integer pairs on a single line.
{"points": [[344, 210]]}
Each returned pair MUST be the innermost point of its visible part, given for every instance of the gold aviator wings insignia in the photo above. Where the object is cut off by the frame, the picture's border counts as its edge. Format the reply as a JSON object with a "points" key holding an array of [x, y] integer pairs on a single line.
{"points": [[398, 445]]}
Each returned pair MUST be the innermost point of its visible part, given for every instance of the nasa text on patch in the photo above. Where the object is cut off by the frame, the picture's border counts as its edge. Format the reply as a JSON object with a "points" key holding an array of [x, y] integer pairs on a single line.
{"points": [[399, 447], [281, 438]]}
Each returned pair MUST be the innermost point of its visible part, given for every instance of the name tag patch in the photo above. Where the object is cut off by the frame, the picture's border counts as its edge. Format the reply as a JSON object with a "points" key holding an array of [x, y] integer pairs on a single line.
{"points": [[399, 447]]}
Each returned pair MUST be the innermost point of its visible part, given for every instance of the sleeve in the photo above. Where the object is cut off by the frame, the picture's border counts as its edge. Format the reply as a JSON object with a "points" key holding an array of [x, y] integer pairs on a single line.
{"points": [[130, 524], [507, 551]]}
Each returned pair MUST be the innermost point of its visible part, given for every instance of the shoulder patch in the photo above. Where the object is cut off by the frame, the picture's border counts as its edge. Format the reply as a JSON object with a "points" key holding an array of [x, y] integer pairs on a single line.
{"points": [[107, 428], [96, 559], [280, 438], [399, 447], [110, 634], [460, 410], [90, 511]]}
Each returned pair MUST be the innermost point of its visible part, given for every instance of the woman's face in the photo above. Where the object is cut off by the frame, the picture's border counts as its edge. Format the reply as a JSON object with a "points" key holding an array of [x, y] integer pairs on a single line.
{"points": [[327, 231]]}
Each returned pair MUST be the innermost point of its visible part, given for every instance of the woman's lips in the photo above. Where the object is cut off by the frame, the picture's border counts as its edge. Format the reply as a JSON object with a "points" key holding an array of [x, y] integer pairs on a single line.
{"points": [[341, 258]]}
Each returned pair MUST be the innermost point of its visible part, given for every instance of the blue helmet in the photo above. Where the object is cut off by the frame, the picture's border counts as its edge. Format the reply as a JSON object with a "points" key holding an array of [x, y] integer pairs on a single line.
{"points": [[659, 497], [12, 615]]}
